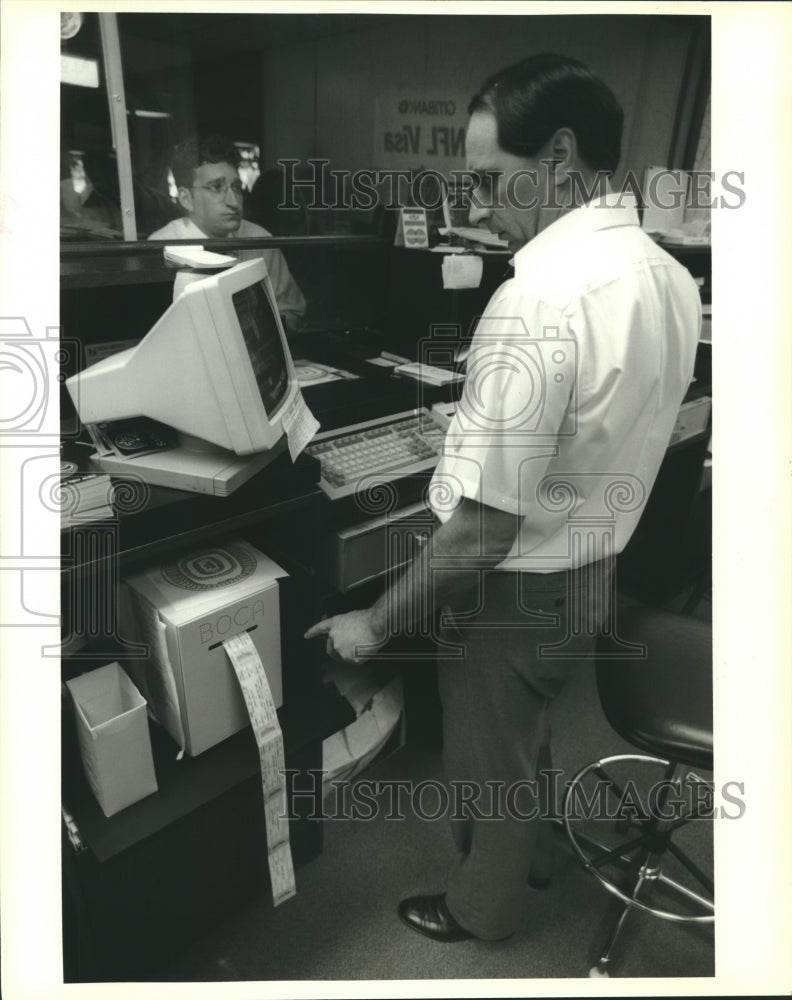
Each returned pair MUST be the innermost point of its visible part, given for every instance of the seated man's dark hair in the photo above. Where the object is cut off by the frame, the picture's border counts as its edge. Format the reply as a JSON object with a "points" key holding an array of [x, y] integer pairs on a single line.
{"points": [[533, 98], [194, 152]]}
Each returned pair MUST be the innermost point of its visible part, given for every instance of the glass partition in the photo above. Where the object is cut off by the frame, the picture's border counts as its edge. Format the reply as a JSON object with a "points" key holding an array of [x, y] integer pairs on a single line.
{"points": [[344, 280], [324, 111], [179, 83], [90, 206]]}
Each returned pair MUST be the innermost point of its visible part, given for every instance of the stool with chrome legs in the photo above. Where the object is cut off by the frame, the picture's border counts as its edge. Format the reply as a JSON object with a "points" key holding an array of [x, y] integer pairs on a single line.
{"points": [[634, 831]]}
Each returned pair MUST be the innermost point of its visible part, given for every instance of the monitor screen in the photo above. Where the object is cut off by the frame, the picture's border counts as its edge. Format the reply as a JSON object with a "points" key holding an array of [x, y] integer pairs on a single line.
{"points": [[264, 345]]}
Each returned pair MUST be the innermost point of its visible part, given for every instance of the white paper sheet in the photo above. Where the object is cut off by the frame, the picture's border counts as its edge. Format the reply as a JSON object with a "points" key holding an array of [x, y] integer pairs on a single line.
{"points": [[382, 362], [300, 425], [430, 374], [462, 271], [348, 752], [356, 685]]}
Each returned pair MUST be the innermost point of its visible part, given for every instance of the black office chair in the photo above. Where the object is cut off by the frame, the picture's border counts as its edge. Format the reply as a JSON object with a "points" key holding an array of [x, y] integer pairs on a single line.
{"points": [[655, 687]]}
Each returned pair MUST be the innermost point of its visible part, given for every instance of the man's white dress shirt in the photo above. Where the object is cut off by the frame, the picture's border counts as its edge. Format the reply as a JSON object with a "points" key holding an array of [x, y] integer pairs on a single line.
{"points": [[574, 380]]}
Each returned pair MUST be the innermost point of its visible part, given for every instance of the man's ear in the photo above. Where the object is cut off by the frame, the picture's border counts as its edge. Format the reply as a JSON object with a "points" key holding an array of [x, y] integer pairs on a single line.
{"points": [[185, 199], [562, 153]]}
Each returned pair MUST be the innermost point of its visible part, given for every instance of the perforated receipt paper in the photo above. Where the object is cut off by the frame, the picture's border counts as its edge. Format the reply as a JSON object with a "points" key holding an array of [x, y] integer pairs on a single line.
{"points": [[300, 425], [269, 739]]}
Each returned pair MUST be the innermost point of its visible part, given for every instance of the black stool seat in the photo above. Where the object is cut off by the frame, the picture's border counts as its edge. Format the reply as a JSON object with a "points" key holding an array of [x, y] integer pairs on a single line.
{"points": [[661, 703]]}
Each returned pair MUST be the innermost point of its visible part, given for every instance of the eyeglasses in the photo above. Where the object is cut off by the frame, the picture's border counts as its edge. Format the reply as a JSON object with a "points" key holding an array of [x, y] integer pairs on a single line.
{"points": [[219, 188]]}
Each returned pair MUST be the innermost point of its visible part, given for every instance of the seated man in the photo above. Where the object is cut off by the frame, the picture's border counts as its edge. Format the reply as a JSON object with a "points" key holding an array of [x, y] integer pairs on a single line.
{"points": [[210, 192]]}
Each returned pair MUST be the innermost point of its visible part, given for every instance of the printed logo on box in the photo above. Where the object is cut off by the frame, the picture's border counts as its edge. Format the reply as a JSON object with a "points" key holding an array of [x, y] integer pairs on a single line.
{"points": [[210, 569], [244, 618]]}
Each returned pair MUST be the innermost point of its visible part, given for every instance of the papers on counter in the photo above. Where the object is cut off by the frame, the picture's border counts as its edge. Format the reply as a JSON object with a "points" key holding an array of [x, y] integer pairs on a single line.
{"points": [[388, 360], [314, 373], [429, 373]]}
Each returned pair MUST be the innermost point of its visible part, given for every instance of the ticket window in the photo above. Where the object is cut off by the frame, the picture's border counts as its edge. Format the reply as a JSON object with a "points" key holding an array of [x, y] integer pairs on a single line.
{"points": [[134, 84]]}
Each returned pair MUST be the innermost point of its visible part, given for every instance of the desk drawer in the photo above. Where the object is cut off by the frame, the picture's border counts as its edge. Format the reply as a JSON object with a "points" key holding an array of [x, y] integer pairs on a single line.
{"points": [[365, 550]]}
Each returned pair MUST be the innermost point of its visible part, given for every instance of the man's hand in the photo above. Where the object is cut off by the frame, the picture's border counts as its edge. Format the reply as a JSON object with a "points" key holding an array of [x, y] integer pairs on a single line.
{"points": [[352, 637], [475, 536]]}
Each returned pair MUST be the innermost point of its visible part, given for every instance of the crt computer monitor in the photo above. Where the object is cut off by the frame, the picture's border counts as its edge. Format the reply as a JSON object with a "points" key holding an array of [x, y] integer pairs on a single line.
{"points": [[215, 366]]}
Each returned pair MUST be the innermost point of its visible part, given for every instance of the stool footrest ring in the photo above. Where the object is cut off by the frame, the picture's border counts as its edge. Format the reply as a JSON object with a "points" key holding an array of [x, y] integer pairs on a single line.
{"points": [[620, 854]]}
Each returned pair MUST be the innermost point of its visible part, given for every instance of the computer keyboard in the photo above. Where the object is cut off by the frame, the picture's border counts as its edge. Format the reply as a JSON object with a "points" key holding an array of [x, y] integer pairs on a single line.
{"points": [[383, 449]]}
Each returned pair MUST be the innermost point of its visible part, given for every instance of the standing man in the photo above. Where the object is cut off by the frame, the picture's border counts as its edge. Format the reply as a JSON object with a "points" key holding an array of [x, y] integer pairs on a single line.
{"points": [[576, 372], [206, 172]]}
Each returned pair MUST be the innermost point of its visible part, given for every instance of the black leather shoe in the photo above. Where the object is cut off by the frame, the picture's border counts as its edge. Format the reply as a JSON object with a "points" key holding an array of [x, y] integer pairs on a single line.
{"points": [[429, 915]]}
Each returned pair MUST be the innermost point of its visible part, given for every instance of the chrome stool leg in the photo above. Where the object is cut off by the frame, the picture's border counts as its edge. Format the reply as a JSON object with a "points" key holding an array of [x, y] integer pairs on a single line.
{"points": [[601, 970]]}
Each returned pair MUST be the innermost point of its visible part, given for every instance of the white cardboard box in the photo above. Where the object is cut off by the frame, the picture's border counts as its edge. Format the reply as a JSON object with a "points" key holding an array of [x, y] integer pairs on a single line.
{"points": [[112, 729], [183, 610]]}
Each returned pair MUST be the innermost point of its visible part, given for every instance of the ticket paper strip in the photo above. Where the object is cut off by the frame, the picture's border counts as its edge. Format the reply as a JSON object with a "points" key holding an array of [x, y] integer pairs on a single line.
{"points": [[269, 739]]}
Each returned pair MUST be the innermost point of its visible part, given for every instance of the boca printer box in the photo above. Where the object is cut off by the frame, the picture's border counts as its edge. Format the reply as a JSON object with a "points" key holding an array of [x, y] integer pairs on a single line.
{"points": [[183, 610]]}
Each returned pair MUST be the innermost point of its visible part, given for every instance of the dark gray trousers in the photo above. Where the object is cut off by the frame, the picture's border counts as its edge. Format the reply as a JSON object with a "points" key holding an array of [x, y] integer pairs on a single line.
{"points": [[524, 637]]}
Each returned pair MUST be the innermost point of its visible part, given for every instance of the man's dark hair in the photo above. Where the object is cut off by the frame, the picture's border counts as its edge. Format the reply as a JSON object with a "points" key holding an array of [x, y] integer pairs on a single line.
{"points": [[194, 152], [534, 98]]}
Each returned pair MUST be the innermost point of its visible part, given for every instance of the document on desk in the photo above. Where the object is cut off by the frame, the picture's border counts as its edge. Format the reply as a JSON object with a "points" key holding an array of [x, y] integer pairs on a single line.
{"points": [[269, 739], [300, 425], [388, 360], [430, 374], [314, 373]]}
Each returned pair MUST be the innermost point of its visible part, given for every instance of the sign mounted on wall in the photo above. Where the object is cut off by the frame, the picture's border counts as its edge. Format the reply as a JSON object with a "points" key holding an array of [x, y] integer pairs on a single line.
{"points": [[416, 129]]}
